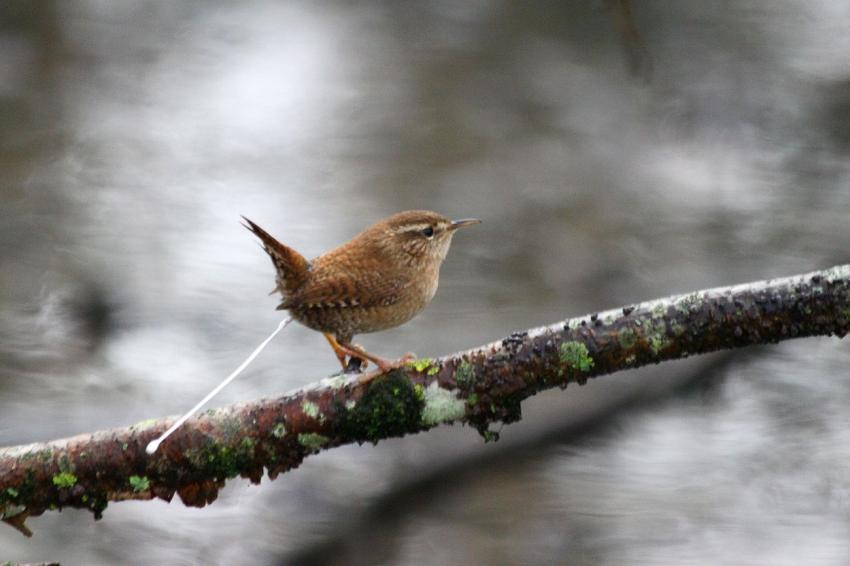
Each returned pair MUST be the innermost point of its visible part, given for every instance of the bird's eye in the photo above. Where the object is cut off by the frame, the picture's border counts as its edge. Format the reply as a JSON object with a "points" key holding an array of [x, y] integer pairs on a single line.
{"points": [[428, 232]]}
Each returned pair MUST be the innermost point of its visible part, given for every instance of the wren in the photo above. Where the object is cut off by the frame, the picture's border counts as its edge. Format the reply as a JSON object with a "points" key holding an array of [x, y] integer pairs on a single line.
{"points": [[379, 279]]}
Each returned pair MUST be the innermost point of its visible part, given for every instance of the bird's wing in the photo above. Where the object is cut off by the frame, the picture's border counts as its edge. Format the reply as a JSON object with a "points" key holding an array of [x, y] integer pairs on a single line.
{"points": [[340, 289]]}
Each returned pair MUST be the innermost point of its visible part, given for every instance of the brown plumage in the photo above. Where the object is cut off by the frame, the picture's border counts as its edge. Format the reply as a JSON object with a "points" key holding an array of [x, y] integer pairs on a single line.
{"points": [[379, 279]]}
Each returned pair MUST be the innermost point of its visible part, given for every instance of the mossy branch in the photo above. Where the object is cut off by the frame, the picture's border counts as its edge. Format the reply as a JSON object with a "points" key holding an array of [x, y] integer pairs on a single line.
{"points": [[481, 387]]}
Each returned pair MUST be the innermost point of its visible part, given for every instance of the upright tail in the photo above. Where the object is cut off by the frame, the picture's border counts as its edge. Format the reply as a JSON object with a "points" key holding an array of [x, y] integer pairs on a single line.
{"points": [[291, 266]]}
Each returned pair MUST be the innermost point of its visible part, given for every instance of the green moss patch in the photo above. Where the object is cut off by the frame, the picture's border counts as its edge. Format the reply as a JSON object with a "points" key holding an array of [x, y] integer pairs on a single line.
{"points": [[222, 461], [64, 480], [656, 334], [426, 365], [627, 338], [464, 374], [391, 406], [144, 424], [575, 355], [139, 483], [312, 441], [311, 410]]}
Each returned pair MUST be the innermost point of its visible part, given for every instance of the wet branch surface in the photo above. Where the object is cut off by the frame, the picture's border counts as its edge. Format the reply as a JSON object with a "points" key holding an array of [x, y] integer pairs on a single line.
{"points": [[482, 387]]}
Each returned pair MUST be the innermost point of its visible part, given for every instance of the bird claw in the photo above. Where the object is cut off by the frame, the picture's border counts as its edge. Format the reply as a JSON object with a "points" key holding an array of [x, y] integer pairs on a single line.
{"points": [[390, 365], [386, 366]]}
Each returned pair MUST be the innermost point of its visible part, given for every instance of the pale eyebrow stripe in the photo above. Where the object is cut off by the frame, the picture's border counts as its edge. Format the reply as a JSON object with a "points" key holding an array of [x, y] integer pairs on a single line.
{"points": [[415, 228]]}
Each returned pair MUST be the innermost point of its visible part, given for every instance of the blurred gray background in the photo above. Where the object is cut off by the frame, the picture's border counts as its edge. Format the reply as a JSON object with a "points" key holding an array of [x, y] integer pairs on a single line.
{"points": [[616, 152]]}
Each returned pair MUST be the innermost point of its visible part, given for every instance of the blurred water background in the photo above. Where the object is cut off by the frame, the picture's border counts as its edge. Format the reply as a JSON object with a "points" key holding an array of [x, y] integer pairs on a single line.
{"points": [[616, 152]]}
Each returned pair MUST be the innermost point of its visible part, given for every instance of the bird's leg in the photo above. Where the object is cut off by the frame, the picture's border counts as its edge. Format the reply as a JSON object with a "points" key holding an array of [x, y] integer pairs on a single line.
{"points": [[340, 351], [358, 352]]}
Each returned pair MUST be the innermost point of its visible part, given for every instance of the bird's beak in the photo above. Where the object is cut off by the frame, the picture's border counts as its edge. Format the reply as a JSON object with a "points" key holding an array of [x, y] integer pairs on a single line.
{"points": [[463, 222]]}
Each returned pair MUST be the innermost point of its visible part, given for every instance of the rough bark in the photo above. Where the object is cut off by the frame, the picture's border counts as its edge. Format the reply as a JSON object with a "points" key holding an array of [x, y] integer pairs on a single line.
{"points": [[481, 387]]}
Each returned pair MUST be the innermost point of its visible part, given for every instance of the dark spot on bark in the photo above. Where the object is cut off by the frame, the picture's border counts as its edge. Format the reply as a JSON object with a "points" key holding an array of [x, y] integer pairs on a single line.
{"points": [[353, 365]]}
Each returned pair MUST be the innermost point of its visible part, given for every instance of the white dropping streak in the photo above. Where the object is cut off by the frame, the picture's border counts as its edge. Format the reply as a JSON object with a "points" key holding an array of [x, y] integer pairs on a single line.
{"points": [[154, 444]]}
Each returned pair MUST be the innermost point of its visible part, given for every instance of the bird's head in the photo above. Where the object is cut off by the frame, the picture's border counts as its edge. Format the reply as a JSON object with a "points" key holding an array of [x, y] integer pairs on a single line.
{"points": [[420, 235]]}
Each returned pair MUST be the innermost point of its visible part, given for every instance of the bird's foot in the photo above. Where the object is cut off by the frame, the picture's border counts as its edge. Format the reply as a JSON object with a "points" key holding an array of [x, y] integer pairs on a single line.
{"points": [[385, 366]]}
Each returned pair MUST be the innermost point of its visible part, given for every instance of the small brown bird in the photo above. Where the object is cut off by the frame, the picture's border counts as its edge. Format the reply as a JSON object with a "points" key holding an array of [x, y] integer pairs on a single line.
{"points": [[379, 279]]}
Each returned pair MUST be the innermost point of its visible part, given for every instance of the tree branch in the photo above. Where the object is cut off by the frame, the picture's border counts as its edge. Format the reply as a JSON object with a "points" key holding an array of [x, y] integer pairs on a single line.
{"points": [[481, 386]]}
